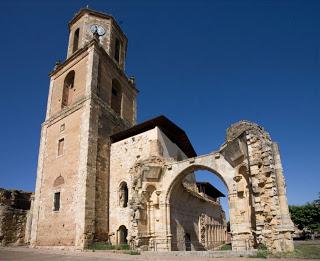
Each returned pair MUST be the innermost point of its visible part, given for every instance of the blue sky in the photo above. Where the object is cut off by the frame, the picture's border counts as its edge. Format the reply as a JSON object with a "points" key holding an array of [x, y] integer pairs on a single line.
{"points": [[203, 64]]}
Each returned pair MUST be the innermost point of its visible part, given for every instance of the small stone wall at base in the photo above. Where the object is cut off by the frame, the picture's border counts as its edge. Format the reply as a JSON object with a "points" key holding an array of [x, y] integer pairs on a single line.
{"points": [[14, 207]]}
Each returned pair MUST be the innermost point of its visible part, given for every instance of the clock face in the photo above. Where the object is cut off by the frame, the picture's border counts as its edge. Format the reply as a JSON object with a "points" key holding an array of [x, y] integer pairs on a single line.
{"points": [[101, 30], [95, 28]]}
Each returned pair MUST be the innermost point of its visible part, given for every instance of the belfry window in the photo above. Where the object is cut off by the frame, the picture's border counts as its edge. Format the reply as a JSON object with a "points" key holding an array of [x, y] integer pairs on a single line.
{"points": [[123, 195], [117, 49], [116, 96], [76, 40], [67, 88], [56, 202]]}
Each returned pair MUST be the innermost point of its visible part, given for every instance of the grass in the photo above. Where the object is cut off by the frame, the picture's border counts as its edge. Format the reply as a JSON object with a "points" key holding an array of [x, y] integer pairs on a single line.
{"points": [[107, 246], [262, 252], [132, 252], [225, 247], [124, 248], [303, 249]]}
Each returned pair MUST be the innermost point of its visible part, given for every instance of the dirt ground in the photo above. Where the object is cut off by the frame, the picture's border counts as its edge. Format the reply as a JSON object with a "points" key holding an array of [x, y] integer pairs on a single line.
{"points": [[30, 254]]}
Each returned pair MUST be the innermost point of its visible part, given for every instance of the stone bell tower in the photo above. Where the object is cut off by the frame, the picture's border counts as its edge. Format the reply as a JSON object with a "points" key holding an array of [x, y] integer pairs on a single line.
{"points": [[90, 98]]}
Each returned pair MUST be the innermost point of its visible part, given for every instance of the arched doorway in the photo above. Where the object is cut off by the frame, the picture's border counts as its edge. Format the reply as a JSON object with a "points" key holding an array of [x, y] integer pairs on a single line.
{"points": [[122, 235]]}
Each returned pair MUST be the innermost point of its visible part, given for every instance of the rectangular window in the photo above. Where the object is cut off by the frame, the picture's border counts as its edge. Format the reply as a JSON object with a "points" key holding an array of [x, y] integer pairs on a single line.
{"points": [[62, 127], [60, 147], [116, 100], [117, 49], [56, 203]]}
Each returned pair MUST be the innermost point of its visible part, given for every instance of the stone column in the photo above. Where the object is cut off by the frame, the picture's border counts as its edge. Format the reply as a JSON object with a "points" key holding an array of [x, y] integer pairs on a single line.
{"points": [[216, 234], [169, 235], [149, 218], [211, 235], [152, 218], [207, 237]]}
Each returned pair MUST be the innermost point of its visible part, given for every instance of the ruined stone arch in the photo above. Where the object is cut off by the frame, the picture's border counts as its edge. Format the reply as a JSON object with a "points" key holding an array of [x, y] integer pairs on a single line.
{"points": [[224, 172], [249, 164], [179, 177], [182, 171]]}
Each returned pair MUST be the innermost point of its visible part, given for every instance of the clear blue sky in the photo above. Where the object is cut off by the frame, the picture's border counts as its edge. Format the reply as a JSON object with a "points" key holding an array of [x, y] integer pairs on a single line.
{"points": [[203, 64]]}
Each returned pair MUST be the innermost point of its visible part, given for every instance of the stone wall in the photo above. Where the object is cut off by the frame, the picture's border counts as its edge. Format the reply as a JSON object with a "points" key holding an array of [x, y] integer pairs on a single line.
{"points": [[14, 211]]}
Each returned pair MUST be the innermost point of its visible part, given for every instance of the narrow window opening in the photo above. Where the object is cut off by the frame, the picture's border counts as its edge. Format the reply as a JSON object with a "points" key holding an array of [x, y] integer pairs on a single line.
{"points": [[116, 96], [123, 195], [56, 203], [76, 40], [60, 147], [99, 79], [117, 49], [68, 85]]}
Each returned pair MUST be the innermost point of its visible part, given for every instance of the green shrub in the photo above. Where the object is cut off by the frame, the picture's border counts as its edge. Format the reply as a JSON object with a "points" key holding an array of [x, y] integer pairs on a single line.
{"points": [[226, 247], [262, 254], [262, 247]]}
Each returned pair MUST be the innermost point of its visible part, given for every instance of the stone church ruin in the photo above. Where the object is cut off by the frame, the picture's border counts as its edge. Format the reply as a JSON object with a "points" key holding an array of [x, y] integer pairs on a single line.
{"points": [[103, 178]]}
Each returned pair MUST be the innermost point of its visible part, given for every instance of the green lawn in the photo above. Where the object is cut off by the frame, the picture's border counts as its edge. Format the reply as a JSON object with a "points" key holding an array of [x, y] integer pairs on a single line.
{"points": [[304, 249]]}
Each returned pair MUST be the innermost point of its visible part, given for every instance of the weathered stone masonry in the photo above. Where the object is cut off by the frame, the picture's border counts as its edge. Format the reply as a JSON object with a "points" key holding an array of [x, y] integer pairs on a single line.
{"points": [[15, 216]]}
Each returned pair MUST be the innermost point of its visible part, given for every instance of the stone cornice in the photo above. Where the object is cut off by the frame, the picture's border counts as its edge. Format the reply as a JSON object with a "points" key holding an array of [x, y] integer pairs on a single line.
{"points": [[73, 57], [104, 54], [66, 111], [78, 105]]}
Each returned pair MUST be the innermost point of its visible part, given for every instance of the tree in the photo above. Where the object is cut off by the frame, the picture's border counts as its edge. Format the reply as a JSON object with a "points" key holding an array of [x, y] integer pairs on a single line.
{"points": [[317, 201], [307, 216]]}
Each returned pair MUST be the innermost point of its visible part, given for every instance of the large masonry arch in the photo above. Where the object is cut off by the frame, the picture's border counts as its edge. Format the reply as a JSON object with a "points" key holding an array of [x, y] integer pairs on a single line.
{"points": [[249, 165], [219, 166]]}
